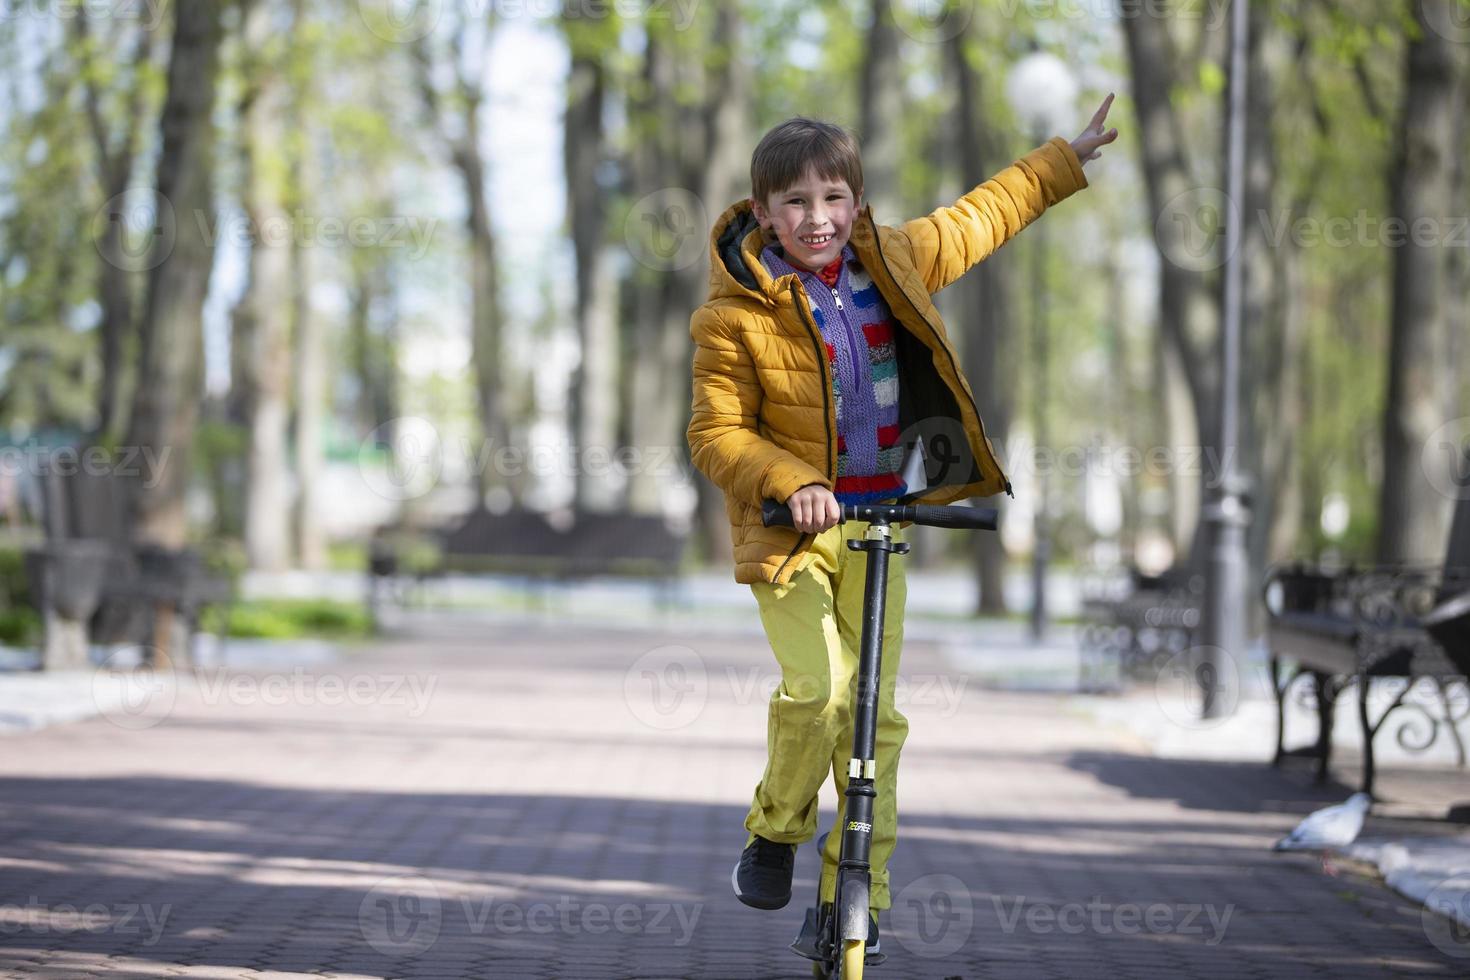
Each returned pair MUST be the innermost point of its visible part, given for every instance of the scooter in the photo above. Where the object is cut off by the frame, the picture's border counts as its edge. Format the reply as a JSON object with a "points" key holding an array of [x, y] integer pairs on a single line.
{"points": [[836, 939]]}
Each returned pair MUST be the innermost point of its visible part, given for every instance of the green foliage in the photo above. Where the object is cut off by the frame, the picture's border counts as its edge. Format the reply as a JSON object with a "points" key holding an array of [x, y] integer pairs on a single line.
{"points": [[20, 624], [1211, 78], [19, 627], [285, 619], [15, 586]]}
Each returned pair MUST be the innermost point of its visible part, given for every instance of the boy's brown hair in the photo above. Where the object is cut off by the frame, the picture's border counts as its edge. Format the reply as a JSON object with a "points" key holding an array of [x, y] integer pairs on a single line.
{"points": [[784, 154]]}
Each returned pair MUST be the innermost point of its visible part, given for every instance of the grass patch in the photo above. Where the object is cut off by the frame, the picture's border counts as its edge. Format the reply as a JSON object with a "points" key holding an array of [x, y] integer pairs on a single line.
{"points": [[290, 619], [19, 627]]}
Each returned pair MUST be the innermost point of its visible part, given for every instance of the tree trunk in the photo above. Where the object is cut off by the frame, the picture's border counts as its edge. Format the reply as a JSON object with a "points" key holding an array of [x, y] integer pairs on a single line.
{"points": [[1269, 397], [594, 382], [726, 176], [882, 110], [702, 154], [115, 161], [165, 404], [654, 166], [982, 300], [485, 311], [261, 325], [311, 388], [1188, 302], [1413, 513], [372, 289]]}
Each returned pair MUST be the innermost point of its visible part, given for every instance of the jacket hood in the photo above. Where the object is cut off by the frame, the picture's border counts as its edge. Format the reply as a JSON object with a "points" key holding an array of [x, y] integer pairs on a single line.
{"points": [[735, 244]]}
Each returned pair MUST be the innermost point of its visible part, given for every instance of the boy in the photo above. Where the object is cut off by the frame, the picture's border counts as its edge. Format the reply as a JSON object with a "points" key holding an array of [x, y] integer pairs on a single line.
{"points": [[817, 347]]}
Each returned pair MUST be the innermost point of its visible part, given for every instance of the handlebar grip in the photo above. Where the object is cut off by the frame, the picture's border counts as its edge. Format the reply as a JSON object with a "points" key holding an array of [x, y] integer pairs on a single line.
{"points": [[968, 518], [929, 515], [773, 513]]}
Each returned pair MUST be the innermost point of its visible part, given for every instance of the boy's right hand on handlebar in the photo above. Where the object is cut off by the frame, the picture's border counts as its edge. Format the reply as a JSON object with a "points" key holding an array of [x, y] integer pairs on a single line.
{"points": [[813, 509]]}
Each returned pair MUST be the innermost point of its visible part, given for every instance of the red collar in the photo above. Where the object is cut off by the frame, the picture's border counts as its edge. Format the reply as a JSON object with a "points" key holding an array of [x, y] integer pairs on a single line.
{"points": [[829, 273]]}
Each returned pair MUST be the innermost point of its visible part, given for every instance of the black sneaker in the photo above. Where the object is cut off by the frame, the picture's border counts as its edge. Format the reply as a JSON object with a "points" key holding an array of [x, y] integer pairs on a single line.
{"points": [[762, 879]]}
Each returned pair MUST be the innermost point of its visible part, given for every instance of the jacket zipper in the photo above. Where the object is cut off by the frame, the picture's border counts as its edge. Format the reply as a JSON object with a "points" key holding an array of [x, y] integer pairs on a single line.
{"points": [[807, 321], [852, 343], [976, 408]]}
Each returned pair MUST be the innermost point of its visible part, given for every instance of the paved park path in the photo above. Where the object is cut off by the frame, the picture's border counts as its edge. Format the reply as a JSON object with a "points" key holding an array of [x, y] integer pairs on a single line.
{"points": [[543, 801]]}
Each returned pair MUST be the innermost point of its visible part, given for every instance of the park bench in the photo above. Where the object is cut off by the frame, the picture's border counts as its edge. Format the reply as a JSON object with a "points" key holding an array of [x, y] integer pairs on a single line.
{"points": [[552, 548], [1133, 632], [94, 585], [1404, 626]]}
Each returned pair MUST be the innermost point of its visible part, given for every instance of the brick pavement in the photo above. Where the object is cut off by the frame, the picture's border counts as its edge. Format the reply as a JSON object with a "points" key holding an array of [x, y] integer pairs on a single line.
{"points": [[568, 804]]}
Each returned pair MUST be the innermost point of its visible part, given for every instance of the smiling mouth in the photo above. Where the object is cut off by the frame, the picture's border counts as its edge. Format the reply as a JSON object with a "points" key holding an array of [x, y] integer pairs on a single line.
{"points": [[816, 241]]}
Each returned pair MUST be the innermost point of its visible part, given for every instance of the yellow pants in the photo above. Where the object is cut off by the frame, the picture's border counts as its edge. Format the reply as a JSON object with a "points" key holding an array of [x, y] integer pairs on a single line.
{"points": [[814, 625]]}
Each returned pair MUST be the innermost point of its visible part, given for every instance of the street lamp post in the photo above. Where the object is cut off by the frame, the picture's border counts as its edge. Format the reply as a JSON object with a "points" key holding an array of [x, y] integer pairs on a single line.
{"points": [[1227, 514], [1043, 93], [1040, 360]]}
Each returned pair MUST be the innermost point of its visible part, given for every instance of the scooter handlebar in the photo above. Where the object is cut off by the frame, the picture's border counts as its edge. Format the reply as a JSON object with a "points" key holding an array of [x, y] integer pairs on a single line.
{"points": [[929, 515]]}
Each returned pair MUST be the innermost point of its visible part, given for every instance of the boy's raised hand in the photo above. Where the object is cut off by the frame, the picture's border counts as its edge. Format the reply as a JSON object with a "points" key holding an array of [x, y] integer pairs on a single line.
{"points": [[1093, 138]]}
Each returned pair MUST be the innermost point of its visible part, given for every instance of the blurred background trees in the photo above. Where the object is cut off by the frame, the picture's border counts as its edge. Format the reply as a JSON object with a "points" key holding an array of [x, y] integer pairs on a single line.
{"points": [[312, 249]]}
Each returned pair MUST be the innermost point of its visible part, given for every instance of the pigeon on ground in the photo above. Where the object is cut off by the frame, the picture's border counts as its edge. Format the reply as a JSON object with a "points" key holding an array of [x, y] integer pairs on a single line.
{"points": [[1333, 826]]}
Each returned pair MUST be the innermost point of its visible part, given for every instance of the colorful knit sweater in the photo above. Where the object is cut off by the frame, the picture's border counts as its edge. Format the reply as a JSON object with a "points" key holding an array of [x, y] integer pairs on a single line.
{"points": [[858, 331]]}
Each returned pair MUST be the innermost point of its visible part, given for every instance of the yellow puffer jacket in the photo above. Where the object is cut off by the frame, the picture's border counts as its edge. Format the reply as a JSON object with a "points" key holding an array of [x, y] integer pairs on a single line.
{"points": [[763, 420]]}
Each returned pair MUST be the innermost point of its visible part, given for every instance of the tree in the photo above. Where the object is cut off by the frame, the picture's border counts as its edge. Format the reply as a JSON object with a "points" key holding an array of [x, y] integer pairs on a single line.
{"points": [[115, 146], [594, 390], [881, 109], [1177, 196], [262, 317], [688, 130], [982, 300], [453, 110], [165, 404], [1413, 514]]}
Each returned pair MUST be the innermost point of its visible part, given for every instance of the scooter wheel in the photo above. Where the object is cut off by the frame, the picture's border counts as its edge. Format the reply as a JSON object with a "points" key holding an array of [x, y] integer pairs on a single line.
{"points": [[854, 953]]}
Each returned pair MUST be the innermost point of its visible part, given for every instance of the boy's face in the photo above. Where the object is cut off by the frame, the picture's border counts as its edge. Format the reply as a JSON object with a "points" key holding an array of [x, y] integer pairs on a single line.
{"points": [[812, 218]]}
